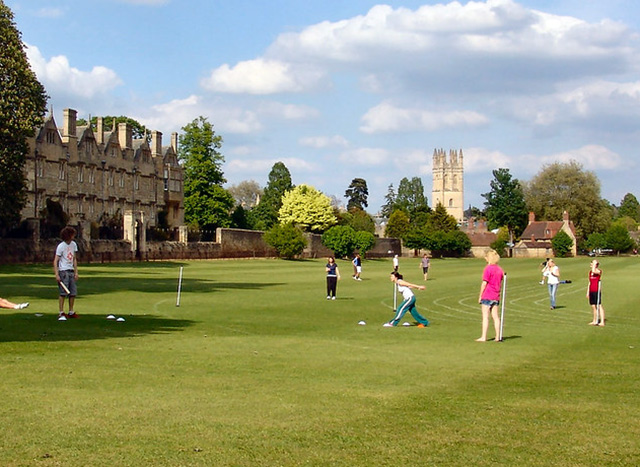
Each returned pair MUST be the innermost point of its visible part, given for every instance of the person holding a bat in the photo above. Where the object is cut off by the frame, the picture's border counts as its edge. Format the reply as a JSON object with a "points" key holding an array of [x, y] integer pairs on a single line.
{"points": [[65, 266]]}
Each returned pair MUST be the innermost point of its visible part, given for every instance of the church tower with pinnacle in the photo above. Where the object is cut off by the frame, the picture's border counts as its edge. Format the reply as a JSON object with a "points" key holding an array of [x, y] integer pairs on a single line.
{"points": [[448, 182]]}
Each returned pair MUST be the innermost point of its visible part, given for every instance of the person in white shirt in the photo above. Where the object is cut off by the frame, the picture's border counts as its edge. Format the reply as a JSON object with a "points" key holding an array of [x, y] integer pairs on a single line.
{"points": [[552, 273], [65, 267]]}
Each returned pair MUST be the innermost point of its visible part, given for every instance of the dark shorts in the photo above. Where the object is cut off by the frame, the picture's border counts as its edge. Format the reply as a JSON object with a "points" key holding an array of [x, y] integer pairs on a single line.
{"points": [[425, 270], [593, 298], [67, 278], [490, 303]]}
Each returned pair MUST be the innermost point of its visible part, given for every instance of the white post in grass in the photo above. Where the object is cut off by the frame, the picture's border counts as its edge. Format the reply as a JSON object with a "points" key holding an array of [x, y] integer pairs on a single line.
{"points": [[504, 296], [598, 303], [395, 297], [179, 286]]}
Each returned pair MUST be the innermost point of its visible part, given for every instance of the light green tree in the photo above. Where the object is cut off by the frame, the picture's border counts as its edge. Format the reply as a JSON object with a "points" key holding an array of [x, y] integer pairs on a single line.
{"points": [[307, 208], [286, 239], [22, 106], [397, 225]]}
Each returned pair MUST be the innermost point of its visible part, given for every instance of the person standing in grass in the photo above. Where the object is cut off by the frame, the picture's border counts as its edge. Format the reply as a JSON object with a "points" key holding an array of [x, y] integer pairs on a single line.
{"points": [[594, 294], [357, 264], [409, 302], [65, 267], [396, 263], [489, 298], [12, 306], [552, 273], [333, 275], [424, 264]]}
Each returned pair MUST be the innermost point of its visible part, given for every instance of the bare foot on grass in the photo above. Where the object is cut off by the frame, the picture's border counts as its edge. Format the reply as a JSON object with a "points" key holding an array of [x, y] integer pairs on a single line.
{"points": [[480, 339]]}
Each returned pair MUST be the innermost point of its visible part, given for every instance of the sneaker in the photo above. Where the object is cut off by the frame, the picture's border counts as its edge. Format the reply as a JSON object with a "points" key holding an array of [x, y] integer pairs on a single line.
{"points": [[62, 317], [421, 325], [73, 315], [21, 306], [333, 298], [387, 325], [359, 279], [567, 282], [328, 297], [541, 282]]}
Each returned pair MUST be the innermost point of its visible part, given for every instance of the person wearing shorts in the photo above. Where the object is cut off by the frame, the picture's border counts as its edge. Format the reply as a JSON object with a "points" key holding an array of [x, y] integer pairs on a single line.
{"points": [[357, 264], [594, 294], [65, 267], [489, 298], [424, 264]]}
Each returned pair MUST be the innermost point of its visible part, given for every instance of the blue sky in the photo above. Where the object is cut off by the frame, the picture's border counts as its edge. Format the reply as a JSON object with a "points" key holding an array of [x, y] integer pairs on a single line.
{"points": [[342, 89]]}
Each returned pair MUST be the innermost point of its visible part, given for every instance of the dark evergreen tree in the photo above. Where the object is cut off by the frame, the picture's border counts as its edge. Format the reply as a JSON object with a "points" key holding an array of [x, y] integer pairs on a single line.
{"points": [[505, 205], [22, 106], [357, 194], [265, 214]]}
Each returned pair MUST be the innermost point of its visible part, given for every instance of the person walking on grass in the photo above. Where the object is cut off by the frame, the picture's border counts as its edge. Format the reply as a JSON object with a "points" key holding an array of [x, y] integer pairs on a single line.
{"points": [[357, 264], [396, 263], [333, 275], [552, 273], [409, 302], [489, 298], [594, 294], [424, 264], [65, 267], [12, 306]]}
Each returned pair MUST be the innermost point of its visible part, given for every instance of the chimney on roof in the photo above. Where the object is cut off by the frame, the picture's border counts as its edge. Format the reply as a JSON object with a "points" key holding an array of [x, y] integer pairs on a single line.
{"points": [[174, 142], [156, 143], [565, 216], [99, 130], [532, 217], [125, 135], [69, 122]]}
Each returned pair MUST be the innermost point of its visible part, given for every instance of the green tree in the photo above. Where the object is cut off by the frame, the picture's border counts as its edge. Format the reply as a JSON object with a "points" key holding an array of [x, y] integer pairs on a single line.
{"points": [[358, 219], [357, 194], [597, 240], [618, 238], [307, 208], [441, 220], [340, 239], [265, 214], [629, 207], [364, 241], [138, 130], [410, 195], [504, 205], [206, 204], [22, 106], [562, 244], [286, 239], [390, 202], [567, 186], [397, 225]]}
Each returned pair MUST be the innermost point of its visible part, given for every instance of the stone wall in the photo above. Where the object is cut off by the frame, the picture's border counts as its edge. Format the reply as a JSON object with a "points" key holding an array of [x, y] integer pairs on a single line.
{"points": [[231, 243]]}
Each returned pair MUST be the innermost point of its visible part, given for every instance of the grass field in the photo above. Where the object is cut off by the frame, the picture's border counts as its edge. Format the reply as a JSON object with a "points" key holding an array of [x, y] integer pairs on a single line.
{"points": [[256, 367]]}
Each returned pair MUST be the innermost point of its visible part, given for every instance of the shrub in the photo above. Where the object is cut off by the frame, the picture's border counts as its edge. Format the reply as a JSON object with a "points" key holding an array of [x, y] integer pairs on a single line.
{"points": [[287, 240]]}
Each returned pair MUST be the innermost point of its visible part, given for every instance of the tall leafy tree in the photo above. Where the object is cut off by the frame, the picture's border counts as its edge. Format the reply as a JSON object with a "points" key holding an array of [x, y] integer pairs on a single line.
{"points": [[629, 207], [618, 238], [206, 203], [397, 225], [504, 205], [22, 106], [265, 213], [247, 193], [410, 197], [390, 202], [567, 186], [307, 208], [357, 194]]}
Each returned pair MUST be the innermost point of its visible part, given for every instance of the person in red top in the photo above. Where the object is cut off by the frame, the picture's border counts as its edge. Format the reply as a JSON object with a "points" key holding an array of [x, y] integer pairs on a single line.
{"points": [[489, 298], [594, 294]]}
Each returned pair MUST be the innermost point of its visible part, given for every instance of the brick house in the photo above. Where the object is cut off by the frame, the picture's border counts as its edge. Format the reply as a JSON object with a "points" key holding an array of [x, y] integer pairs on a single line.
{"points": [[535, 241]]}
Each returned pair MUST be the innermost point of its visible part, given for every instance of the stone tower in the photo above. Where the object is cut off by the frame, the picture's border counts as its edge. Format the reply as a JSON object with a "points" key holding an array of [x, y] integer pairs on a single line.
{"points": [[448, 182]]}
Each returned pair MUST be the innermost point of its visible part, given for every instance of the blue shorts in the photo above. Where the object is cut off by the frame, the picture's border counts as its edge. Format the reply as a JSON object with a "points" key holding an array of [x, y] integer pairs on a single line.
{"points": [[68, 279], [490, 303]]}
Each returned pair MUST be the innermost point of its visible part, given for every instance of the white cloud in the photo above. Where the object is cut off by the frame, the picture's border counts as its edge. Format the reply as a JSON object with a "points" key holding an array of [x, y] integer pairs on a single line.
{"points": [[592, 157], [279, 110], [320, 142], [59, 77], [484, 160], [387, 117], [365, 156], [50, 12], [262, 76]]}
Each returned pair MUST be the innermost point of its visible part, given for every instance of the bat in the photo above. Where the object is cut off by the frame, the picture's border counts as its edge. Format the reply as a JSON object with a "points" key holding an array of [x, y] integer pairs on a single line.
{"points": [[65, 288]]}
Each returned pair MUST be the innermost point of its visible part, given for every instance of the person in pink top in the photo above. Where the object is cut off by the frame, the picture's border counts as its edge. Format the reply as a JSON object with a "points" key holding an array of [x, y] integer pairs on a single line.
{"points": [[489, 298]]}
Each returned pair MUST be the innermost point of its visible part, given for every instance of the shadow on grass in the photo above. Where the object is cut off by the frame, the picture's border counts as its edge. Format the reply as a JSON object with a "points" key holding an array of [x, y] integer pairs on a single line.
{"points": [[23, 327], [508, 338]]}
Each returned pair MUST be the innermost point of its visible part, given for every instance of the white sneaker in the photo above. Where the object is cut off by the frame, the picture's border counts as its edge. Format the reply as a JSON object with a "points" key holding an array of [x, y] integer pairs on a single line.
{"points": [[62, 318], [387, 325], [328, 297], [333, 298], [21, 306], [541, 282]]}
